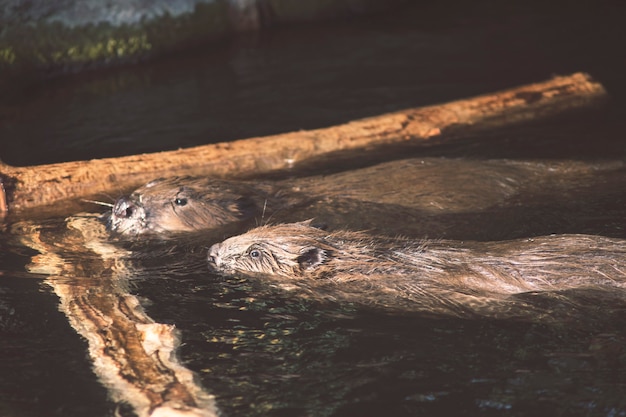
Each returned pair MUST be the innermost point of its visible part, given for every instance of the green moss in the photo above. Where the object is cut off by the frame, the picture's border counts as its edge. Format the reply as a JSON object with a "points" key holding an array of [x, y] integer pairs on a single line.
{"points": [[54, 47], [7, 55]]}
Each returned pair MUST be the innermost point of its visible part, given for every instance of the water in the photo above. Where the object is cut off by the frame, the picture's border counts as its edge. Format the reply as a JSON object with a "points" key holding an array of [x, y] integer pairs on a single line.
{"points": [[265, 353]]}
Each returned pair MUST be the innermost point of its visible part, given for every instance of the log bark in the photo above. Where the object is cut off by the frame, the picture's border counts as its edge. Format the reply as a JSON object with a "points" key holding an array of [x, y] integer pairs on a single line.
{"points": [[30, 187]]}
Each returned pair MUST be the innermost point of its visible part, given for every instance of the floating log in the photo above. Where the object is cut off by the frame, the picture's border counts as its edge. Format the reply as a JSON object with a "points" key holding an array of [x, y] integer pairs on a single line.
{"points": [[29, 187]]}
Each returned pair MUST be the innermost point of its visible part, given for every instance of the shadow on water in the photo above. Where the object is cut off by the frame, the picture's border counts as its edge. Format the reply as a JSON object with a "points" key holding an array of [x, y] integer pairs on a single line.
{"points": [[265, 353]]}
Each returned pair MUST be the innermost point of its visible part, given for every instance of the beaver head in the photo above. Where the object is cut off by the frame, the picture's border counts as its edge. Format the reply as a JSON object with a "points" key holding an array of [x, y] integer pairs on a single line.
{"points": [[183, 204], [288, 250], [301, 250]]}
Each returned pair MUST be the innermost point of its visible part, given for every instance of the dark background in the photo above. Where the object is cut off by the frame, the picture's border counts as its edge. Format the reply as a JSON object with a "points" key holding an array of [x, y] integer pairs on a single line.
{"points": [[316, 74]]}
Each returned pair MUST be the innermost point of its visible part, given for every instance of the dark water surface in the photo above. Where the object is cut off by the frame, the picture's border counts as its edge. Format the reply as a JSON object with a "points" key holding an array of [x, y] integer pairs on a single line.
{"points": [[264, 353]]}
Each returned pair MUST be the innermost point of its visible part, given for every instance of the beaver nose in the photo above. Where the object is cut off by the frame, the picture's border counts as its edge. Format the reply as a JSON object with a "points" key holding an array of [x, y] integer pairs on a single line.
{"points": [[123, 208], [213, 257]]}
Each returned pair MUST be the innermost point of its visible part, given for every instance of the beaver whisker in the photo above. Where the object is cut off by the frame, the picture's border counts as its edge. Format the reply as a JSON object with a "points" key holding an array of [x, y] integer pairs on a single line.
{"points": [[101, 203], [262, 221], [264, 208]]}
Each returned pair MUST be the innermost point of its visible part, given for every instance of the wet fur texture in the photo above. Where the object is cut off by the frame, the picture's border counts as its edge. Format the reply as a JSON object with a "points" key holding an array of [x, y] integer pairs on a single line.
{"points": [[187, 204], [427, 274], [367, 198]]}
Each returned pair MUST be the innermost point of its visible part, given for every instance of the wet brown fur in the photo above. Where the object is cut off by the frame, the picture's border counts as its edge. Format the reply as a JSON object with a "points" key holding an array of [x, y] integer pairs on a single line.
{"points": [[427, 274], [187, 204], [409, 189]]}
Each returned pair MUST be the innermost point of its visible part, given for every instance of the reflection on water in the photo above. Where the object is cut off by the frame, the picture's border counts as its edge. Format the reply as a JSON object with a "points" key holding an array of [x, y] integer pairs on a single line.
{"points": [[44, 367], [264, 353]]}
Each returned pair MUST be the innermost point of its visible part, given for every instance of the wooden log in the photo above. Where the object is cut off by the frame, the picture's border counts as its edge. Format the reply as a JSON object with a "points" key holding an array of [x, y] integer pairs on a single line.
{"points": [[29, 187]]}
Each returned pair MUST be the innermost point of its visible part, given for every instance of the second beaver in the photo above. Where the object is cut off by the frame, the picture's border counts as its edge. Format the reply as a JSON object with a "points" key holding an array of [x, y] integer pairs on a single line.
{"points": [[432, 275]]}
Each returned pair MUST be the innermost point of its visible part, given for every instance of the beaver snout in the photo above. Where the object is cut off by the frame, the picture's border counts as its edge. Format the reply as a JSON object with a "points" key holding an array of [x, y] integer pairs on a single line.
{"points": [[213, 257], [124, 208], [127, 217]]}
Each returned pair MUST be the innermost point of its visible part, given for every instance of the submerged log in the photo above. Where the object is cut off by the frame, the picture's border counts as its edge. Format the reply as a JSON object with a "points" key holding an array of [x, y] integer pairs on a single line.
{"points": [[29, 187]]}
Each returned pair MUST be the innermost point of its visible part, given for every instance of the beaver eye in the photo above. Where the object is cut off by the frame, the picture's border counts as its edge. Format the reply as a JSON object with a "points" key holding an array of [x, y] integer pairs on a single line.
{"points": [[180, 201], [255, 254]]}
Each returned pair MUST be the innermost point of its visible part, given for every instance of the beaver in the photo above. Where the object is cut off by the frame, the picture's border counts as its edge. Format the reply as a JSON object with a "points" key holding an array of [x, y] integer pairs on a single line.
{"points": [[186, 204], [363, 198], [432, 275]]}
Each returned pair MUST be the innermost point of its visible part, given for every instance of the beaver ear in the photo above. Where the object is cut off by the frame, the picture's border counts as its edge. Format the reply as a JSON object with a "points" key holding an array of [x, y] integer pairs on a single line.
{"points": [[310, 258]]}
